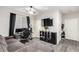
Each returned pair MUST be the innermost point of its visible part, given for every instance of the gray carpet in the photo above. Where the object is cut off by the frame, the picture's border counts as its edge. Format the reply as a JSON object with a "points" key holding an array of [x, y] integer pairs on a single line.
{"points": [[36, 45], [67, 45]]}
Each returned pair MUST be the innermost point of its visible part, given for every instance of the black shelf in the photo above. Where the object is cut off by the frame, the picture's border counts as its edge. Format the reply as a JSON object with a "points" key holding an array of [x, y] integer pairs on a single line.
{"points": [[50, 37]]}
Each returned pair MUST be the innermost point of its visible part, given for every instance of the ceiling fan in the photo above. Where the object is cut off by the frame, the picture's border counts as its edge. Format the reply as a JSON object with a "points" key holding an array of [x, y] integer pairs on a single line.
{"points": [[31, 10]]}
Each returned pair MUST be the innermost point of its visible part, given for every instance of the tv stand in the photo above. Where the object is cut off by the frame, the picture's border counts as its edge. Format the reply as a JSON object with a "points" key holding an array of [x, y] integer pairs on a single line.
{"points": [[50, 37]]}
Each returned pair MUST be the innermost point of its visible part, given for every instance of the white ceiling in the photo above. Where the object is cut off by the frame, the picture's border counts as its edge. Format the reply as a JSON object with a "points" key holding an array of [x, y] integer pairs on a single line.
{"points": [[63, 9]]}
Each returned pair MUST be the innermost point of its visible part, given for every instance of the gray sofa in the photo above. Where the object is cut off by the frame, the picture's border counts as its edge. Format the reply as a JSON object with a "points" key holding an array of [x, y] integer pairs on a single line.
{"points": [[13, 45], [3, 44], [10, 45]]}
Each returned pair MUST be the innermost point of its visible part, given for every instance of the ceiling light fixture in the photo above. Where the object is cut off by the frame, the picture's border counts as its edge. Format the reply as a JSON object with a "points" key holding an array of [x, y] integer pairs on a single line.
{"points": [[31, 10]]}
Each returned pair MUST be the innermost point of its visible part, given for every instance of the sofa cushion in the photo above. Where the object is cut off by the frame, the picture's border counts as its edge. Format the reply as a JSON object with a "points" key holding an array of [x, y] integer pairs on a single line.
{"points": [[14, 44], [3, 44], [10, 41]]}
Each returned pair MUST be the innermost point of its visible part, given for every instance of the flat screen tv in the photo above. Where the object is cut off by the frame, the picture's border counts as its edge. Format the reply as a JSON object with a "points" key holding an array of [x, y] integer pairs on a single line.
{"points": [[47, 22]]}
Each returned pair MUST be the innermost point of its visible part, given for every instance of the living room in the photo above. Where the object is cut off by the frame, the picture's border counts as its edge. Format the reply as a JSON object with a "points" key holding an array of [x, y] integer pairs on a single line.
{"points": [[66, 15]]}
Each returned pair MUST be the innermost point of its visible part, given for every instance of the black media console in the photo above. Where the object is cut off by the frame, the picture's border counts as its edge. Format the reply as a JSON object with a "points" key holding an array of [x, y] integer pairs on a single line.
{"points": [[50, 37]]}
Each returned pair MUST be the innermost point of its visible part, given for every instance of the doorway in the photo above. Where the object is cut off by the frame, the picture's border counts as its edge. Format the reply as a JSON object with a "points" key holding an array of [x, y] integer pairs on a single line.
{"points": [[12, 24]]}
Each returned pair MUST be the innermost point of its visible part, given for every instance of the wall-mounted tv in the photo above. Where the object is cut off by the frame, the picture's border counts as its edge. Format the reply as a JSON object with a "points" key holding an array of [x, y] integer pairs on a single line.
{"points": [[47, 22]]}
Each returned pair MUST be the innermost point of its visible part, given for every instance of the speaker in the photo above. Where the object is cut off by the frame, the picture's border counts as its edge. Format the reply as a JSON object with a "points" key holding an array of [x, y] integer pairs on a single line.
{"points": [[28, 21], [53, 38]]}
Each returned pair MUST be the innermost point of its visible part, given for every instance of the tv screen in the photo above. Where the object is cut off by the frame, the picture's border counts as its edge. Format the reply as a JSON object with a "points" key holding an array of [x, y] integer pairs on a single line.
{"points": [[47, 22]]}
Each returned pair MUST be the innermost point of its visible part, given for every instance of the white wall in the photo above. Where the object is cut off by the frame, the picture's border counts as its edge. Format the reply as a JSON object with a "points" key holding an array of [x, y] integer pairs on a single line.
{"points": [[33, 24], [4, 22], [71, 29], [57, 19], [4, 19], [20, 20]]}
